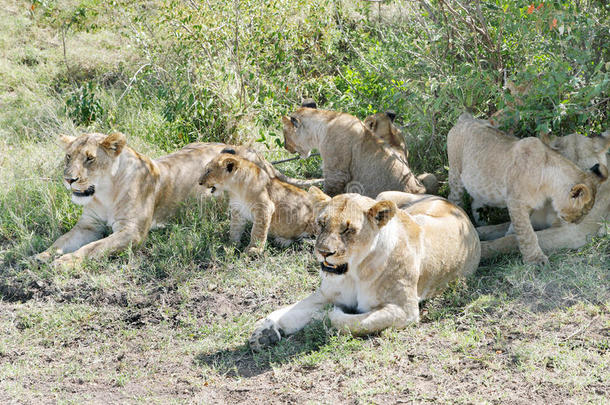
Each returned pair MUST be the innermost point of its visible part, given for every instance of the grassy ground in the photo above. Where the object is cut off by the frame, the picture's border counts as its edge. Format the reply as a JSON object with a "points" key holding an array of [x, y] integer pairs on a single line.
{"points": [[168, 322]]}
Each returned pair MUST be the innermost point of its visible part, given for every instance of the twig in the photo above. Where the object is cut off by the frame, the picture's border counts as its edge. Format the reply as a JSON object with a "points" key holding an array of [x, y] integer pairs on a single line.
{"points": [[277, 162], [131, 82], [581, 330]]}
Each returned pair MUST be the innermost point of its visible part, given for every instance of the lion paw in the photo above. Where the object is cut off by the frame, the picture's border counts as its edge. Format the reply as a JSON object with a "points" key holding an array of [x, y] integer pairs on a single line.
{"points": [[266, 334], [68, 260], [44, 257], [254, 250], [539, 260]]}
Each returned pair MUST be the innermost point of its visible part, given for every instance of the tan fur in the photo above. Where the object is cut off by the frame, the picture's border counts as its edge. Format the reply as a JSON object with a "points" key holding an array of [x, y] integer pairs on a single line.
{"points": [[275, 207], [382, 126], [584, 151], [132, 192], [500, 170], [353, 159], [378, 262]]}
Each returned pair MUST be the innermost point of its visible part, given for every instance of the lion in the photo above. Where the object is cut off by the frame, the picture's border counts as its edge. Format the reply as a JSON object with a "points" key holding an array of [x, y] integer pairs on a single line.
{"points": [[382, 126], [583, 151], [126, 191], [353, 160], [521, 174], [378, 260], [274, 207]]}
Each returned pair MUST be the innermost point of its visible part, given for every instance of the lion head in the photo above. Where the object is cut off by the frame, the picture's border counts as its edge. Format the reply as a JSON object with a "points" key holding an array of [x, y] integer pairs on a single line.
{"points": [[219, 172], [382, 125], [584, 151], [348, 226], [581, 197], [90, 159]]}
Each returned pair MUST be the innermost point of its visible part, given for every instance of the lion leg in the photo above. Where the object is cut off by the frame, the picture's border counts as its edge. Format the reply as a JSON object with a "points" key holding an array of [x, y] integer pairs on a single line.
{"points": [[335, 182], [387, 316], [287, 320], [237, 225], [491, 232], [456, 187], [524, 232], [261, 214], [475, 205], [117, 241], [85, 231]]}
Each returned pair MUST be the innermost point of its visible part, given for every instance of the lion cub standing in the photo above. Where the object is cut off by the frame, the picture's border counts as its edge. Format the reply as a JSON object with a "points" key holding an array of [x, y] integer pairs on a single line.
{"points": [[272, 205], [521, 174]]}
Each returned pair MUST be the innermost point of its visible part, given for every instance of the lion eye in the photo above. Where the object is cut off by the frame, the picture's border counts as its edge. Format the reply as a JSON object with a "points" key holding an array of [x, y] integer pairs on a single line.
{"points": [[347, 230], [89, 159], [68, 157]]}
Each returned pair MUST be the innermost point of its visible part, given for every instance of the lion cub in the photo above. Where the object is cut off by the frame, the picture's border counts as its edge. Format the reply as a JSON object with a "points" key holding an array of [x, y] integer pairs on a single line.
{"points": [[521, 174], [273, 206]]}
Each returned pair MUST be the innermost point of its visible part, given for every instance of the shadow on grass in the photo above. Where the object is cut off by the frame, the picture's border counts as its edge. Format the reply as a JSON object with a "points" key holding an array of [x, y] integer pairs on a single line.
{"points": [[242, 362]]}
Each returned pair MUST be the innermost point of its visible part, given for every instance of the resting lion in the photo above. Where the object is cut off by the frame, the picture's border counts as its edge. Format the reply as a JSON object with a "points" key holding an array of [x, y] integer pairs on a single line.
{"points": [[352, 159], [521, 174], [382, 126], [583, 151], [126, 191], [378, 261], [274, 207]]}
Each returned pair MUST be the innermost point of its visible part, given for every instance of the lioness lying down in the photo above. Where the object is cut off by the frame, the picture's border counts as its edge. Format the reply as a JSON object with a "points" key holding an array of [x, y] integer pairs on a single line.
{"points": [[353, 160], [521, 174], [126, 191], [583, 151], [378, 261], [273, 206]]}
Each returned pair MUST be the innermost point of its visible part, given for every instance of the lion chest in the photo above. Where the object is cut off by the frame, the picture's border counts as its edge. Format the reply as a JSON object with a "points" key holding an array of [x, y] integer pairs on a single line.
{"points": [[242, 207], [348, 292]]}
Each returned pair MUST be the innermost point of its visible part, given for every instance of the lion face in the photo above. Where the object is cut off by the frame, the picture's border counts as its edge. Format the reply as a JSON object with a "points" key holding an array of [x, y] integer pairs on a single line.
{"points": [[347, 228], [218, 172], [584, 151], [581, 198], [296, 139], [90, 159], [382, 125]]}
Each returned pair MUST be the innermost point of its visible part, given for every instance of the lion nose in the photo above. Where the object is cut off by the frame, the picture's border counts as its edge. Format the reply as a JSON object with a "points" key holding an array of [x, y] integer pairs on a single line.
{"points": [[71, 180], [326, 253]]}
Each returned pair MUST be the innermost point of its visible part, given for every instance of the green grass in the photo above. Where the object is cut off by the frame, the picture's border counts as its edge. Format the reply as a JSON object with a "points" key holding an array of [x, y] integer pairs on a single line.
{"points": [[168, 322]]}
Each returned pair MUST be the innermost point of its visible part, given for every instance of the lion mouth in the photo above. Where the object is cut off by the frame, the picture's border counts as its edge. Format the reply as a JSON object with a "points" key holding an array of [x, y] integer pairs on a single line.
{"points": [[212, 189], [332, 268], [87, 193]]}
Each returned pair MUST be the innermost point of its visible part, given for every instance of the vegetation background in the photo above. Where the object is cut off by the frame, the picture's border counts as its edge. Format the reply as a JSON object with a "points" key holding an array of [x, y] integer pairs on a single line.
{"points": [[168, 321]]}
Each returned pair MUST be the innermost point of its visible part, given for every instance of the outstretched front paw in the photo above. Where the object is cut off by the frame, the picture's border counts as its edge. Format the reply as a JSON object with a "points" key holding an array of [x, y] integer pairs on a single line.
{"points": [[68, 260], [43, 257], [266, 333]]}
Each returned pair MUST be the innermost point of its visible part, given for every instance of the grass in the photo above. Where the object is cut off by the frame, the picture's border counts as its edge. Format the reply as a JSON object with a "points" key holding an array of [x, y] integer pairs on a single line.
{"points": [[168, 322]]}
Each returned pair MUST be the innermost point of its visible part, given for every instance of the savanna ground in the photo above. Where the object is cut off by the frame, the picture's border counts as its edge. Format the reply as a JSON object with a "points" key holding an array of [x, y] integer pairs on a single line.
{"points": [[168, 322]]}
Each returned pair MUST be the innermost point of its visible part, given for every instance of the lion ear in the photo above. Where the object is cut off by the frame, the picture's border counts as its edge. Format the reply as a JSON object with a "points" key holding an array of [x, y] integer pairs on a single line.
{"points": [[600, 171], [114, 143], [546, 139], [381, 213], [581, 192], [309, 103], [230, 164], [291, 121], [391, 115], [316, 195], [370, 123], [66, 140], [317, 198]]}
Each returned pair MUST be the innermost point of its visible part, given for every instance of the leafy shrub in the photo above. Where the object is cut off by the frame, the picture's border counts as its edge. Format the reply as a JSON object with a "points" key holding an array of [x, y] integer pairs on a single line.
{"points": [[83, 106]]}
